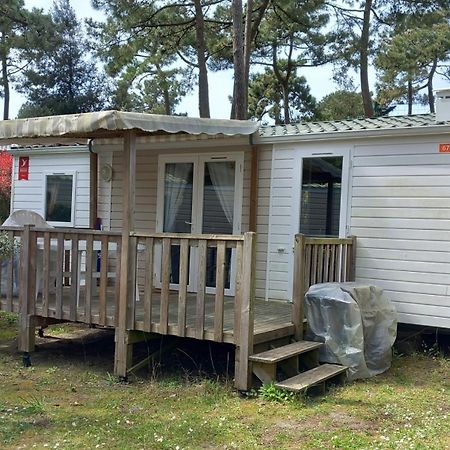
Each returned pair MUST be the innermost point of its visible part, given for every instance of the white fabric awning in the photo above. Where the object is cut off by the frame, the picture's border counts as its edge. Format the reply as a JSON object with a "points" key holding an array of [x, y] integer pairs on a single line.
{"points": [[109, 124]]}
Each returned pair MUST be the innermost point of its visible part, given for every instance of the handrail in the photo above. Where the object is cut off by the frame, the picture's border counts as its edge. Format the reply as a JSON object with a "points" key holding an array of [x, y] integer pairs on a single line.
{"points": [[327, 241], [193, 236], [83, 231], [319, 260]]}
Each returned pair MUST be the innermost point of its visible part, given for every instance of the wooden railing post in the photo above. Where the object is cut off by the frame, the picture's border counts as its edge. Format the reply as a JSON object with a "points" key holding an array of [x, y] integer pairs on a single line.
{"points": [[123, 351], [298, 286], [27, 291], [352, 262], [244, 347]]}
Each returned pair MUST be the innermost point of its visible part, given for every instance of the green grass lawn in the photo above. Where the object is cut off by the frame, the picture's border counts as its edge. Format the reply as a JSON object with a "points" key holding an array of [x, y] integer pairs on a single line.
{"points": [[69, 400]]}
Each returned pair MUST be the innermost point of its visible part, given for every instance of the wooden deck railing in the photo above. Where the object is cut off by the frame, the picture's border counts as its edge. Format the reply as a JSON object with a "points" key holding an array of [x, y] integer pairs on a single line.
{"points": [[9, 274], [162, 284], [61, 272], [319, 260], [74, 275]]}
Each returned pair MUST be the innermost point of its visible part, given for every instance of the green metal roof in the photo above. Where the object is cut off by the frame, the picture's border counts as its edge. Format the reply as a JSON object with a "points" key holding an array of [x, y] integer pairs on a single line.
{"points": [[352, 126]]}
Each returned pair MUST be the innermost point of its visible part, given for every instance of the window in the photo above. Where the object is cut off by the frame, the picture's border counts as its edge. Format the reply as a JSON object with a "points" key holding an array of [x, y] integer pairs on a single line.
{"points": [[59, 199], [321, 196]]}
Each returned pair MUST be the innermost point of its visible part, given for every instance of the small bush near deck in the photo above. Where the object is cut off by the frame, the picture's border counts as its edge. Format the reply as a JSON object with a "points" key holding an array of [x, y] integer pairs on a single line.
{"points": [[272, 393], [8, 325], [8, 246], [68, 400]]}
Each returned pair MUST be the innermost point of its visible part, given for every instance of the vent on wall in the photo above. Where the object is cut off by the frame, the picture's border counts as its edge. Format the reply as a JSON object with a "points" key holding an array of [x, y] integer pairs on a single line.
{"points": [[442, 105]]}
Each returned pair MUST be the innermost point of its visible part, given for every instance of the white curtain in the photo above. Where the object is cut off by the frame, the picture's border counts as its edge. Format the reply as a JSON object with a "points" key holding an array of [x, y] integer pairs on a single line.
{"points": [[222, 177], [175, 183]]}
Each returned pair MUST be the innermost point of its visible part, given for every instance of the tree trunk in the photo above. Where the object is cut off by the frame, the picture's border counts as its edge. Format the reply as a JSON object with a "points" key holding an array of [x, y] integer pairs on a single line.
{"points": [[5, 80], [430, 87], [167, 106], [203, 92], [239, 110], [247, 49], [410, 97], [364, 61], [287, 114]]}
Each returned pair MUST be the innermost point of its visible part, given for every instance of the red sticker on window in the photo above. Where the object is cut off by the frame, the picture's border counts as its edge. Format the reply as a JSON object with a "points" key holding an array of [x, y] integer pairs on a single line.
{"points": [[24, 167]]}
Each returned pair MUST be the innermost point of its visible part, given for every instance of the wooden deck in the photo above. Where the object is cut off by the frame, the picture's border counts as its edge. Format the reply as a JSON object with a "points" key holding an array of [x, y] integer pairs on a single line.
{"points": [[126, 282], [270, 317]]}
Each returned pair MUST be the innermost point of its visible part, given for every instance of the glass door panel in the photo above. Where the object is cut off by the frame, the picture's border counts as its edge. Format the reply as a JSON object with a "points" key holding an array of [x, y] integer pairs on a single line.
{"points": [[178, 197], [199, 194], [321, 196], [218, 211]]}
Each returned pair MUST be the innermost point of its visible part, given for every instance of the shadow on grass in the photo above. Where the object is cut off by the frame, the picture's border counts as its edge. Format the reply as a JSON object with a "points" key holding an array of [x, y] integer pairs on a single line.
{"points": [[175, 357]]}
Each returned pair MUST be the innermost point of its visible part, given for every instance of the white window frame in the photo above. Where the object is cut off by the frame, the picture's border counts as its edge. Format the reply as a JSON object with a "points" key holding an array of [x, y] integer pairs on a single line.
{"points": [[199, 160], [345, 153], [72, 173], [345, 185]]}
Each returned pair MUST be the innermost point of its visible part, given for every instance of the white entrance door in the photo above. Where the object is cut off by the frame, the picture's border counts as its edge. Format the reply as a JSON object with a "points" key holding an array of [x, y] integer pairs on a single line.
{"points": [[309, 195], [200, 194], [322, 193]]}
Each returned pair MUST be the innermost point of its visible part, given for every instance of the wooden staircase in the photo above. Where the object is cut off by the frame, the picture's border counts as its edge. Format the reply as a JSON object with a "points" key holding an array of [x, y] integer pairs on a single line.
{"points": [[295, 367]]}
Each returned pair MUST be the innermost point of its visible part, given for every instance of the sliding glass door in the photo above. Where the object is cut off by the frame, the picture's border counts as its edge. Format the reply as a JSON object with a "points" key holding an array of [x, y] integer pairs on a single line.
{"points": [[178, 195], [200, 194]]}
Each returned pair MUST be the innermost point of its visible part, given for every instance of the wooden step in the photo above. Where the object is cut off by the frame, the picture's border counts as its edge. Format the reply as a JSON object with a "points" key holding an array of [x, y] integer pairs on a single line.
{"points": [[267, 333], [311, 377], [286, 351]]}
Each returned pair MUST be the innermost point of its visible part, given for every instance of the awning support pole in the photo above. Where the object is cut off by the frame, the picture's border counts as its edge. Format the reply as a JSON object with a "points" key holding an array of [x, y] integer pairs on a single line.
{"points": [[123, 349]]}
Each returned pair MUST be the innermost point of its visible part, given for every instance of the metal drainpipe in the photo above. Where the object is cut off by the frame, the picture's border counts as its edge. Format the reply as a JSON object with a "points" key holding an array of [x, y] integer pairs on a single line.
{"points": [[93, 186]]}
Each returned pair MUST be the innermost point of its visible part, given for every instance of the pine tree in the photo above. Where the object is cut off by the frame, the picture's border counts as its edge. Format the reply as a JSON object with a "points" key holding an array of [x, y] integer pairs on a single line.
{"points": [[61, 79]]}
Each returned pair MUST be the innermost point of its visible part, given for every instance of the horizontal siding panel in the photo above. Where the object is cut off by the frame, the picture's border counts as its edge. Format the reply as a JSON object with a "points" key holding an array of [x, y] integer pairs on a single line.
{"points": [[403, 213], [405, 265], [282, 211], [400, 160], [360, 170], [281, 258], [428, 321], [279, 275], [285, 192], [404, 275], [280, 229], [403, 244], [400, 234], [424, 299], [282, 183], [401, 224], [276, 294], [404, 149], [384, 254], [429, 310], [403, 286], [260, 292], [401, 202], [394, 181], [287, 163], [435, 191], [282, 240]]}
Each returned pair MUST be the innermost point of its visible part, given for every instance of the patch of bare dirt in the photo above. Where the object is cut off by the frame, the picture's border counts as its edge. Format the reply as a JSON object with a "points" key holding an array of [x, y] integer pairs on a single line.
{"points": [[334, 420]]}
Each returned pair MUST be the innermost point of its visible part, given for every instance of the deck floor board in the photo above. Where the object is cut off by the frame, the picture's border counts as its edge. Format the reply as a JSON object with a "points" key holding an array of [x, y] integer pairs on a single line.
{"points": [[267, 314]]}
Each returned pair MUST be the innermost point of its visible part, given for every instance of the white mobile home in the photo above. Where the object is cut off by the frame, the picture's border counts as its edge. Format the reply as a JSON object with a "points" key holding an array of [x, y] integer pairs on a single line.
{"points": [[385, 181], [393, 178], [200, 217]]}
